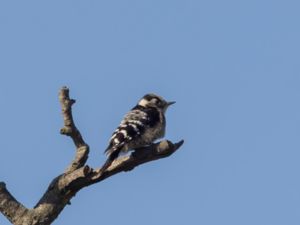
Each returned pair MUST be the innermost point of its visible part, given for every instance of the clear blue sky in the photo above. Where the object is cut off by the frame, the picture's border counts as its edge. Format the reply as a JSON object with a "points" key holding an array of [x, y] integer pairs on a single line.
{"points": [[233, 68]]}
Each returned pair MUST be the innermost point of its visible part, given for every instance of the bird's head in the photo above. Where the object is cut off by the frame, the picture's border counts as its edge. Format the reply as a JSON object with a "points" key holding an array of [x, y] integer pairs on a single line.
{"points": [[153, 100]]}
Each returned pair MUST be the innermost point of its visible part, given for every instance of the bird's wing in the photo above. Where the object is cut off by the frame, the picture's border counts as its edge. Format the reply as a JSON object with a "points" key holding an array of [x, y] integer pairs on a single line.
{"points": [[132, 126]]}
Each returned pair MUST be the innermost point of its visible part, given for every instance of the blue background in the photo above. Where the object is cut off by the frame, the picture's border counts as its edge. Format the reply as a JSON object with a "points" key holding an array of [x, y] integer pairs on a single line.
{"points": [[233, 68]]}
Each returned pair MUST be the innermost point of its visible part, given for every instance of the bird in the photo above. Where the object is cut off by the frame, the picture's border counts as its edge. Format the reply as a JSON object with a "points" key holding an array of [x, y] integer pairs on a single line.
{"points": [[140, 127]]}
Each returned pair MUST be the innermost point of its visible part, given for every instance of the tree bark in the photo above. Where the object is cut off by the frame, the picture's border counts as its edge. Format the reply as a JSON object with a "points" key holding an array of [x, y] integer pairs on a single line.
{"points": [[77, 175]]}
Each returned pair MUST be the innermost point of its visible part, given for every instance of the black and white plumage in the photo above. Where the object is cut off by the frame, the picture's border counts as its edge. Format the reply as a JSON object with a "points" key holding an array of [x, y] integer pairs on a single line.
{"points": [[140, 127]]}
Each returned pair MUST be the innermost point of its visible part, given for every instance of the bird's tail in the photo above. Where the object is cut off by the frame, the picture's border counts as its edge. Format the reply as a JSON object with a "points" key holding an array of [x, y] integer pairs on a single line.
{"points": [[106, 165], [112, 155]]}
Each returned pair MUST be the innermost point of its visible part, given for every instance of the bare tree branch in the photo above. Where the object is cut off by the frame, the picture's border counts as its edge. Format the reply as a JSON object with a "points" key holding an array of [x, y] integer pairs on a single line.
{"points": [[9, 206], [124, 164], [71, 130], [77, 176]]}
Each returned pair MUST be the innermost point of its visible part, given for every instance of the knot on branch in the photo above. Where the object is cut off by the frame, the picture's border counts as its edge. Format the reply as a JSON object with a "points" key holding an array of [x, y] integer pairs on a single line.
{"points": [[69, 182], [67, 130], [166, 147]]}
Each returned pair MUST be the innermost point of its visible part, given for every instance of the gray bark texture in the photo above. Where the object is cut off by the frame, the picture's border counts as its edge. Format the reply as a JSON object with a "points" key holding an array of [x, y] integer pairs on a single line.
{"points": [[77, 175]]}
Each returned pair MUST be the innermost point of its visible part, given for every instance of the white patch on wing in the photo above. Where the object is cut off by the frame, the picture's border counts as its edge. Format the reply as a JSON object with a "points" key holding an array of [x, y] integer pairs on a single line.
{"points": [[136, 122], [124, 132]]}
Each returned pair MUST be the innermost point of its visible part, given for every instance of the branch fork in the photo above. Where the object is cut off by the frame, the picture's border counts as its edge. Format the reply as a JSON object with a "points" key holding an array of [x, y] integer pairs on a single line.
{"points": [[77, 175]]}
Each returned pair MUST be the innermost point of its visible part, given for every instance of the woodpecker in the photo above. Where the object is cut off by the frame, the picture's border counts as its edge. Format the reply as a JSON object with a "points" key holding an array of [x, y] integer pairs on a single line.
{"points": [[140, 127]]}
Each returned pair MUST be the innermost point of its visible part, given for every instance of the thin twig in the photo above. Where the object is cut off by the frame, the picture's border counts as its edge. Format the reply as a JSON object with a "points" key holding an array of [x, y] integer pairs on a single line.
{"points": [[71, 130]]}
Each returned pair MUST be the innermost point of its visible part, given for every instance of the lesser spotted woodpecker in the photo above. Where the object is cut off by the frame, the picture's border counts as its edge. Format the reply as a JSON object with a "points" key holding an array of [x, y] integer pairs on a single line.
{"points": [[140, 127]]}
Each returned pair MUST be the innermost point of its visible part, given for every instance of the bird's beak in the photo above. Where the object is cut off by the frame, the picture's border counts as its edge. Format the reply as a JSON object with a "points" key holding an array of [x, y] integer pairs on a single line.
{"points": [[170, 103]]}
